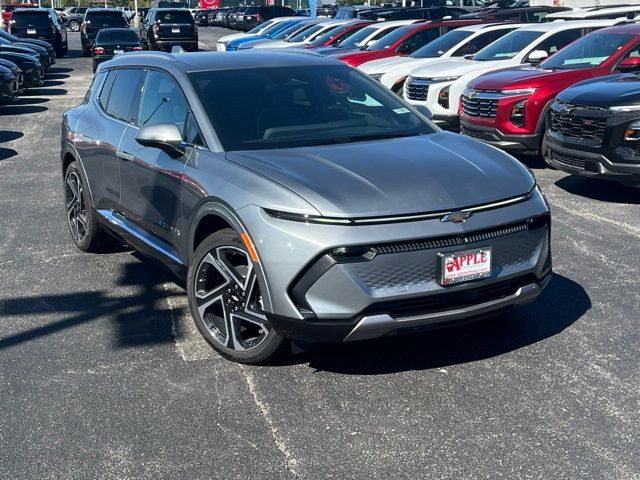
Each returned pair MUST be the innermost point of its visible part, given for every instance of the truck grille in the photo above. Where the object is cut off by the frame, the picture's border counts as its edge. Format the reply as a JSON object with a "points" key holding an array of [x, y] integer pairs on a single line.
{"points": [[572, 122], [417, 89], [479, 103]]}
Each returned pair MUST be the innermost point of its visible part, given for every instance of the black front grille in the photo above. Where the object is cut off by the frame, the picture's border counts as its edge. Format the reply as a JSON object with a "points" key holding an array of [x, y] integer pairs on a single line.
{"points": [[573, 122], [479, 106], [444, 301], [417, 90], [458, 240], [479, 134], [575, 162]]}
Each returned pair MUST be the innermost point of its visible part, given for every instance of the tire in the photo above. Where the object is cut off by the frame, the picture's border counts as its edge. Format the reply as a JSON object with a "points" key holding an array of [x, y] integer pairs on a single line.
{"points": [[74, 26], [226, 302], [89, 237]]}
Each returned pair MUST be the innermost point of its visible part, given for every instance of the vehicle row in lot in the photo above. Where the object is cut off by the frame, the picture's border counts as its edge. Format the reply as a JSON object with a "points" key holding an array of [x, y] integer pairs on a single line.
{"points": [[23, 65], [40, 24], [417, 227]]}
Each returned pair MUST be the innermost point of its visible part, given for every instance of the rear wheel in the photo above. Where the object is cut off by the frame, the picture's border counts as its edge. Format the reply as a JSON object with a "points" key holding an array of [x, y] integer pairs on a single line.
{"points": [[86, 233], [74, 26], [226, 301]]}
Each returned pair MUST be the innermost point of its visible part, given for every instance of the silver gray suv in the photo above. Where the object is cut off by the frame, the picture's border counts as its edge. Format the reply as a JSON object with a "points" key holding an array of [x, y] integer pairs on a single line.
{"points": [[299, 198]]}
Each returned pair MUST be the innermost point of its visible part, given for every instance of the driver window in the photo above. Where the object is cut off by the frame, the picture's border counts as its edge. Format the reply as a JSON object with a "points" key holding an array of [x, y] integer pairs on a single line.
{"points": [[162, 102]]}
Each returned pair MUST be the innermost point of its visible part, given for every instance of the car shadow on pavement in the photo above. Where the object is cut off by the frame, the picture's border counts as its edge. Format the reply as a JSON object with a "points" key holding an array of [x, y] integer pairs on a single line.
{"points": [[141, 316], [601, 190], [6, 153], [30, 101], [55, 70], [7, 110], [56, 76], [52, 83], [561, 304], [10, 135], [44, 91]]}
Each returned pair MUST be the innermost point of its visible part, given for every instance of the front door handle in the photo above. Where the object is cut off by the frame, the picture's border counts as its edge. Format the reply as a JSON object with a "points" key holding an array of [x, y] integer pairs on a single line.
{"points": [[124, 155]]}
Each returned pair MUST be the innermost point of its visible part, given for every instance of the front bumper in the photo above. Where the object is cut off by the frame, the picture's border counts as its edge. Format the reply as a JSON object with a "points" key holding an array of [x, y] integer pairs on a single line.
{"points": [[527, 144], [607, 164], [33, 77], [8, 90], [317, 297], [167, 45]]}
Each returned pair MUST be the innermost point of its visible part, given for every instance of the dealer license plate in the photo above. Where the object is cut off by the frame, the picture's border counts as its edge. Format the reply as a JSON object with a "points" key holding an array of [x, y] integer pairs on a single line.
{"points": [[118, 51], [458, 267], [175, 30], [31, 31]]}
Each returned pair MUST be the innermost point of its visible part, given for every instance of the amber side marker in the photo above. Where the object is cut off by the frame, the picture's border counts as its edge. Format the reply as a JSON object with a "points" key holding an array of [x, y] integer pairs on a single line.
{"points": [[250, 248]]}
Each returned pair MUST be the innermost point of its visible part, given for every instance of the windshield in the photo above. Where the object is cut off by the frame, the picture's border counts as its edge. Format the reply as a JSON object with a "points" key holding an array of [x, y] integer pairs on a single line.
{"points": [[175, 16], [328, 35], [31, 19], [282, 34], [355, 39], [301, 106], [390, 38], [109, 35], [508, 46], [441, 45], [306, 33], [589, 51], [262, 26]]}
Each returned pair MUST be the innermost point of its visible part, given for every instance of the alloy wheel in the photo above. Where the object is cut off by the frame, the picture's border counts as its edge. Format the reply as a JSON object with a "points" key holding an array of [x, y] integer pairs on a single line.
{"points": [[76, 207], [228, 299]]}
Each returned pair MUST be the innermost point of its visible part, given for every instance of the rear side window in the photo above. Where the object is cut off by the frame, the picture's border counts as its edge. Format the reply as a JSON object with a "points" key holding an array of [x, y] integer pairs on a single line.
{"points": [[124, 94], [103, 99]]}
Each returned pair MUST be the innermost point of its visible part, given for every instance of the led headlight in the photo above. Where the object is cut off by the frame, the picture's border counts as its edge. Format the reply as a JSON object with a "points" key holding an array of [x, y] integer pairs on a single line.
{"points": [[518, 91], [517, 113], [625, 108], [443, 79]]}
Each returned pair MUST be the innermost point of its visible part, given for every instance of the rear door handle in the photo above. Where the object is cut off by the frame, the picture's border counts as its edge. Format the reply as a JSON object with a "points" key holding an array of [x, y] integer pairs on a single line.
{"points": [[124, 155]]}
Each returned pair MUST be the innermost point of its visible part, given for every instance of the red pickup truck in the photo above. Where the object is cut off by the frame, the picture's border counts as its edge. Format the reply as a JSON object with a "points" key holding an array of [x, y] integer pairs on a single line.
{"points": [[8, 9], [508, 108]]}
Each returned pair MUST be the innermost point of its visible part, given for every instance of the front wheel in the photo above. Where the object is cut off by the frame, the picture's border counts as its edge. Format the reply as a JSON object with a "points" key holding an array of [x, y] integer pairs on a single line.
{"points": [[226, 301]]}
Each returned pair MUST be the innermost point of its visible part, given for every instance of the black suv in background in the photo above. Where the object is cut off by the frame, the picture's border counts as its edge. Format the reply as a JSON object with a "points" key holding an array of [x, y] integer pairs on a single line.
{"points": [[164, 28], [594, 128], [41, 24], [254, 16], [95, 20], [73, 16]]}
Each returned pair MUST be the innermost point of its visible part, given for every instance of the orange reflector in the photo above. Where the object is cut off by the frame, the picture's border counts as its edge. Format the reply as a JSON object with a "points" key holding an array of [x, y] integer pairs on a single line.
{"points": [[250, 248]]}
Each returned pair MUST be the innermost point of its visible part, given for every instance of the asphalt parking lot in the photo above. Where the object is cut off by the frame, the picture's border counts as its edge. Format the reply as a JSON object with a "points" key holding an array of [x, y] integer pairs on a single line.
{"points": [[103, 374]]}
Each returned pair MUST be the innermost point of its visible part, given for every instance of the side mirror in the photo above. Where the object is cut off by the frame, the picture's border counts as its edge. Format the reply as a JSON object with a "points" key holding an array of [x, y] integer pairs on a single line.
{"points": [[424, 111], [629, 64], [165, 136], [404, 48], [537, 56]]}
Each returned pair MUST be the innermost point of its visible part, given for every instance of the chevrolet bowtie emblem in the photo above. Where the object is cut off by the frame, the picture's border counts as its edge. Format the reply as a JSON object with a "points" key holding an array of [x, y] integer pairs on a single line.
{"points": [[456, 217]]}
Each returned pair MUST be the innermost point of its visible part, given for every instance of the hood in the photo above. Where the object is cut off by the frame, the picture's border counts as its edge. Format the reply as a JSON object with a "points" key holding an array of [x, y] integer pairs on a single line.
{"points": [[434, 172], [20, 59], [526, 77], [31, 46], [612, 90], [384, 64], [8, 65], [360, 56], [16, 49], [233, 36], [454, 68], [253, 43], [277, 44]]}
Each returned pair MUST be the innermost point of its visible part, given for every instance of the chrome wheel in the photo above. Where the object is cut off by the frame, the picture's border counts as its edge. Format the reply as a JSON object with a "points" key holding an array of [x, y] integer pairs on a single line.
{"points": [[76, 207], [228, 299]]}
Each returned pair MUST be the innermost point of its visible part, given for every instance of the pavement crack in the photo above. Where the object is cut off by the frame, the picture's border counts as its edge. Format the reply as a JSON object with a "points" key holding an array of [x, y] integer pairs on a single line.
{"points": [[290, 463]]}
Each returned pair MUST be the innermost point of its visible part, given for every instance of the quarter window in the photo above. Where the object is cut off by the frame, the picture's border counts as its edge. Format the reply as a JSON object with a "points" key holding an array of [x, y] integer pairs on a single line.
{"points": [[106, 89], [162, 102], [124, 94]]}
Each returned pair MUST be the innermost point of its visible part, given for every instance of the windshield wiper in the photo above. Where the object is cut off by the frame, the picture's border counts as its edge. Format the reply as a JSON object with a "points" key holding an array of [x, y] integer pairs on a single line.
{"points": [[362, 138]]}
